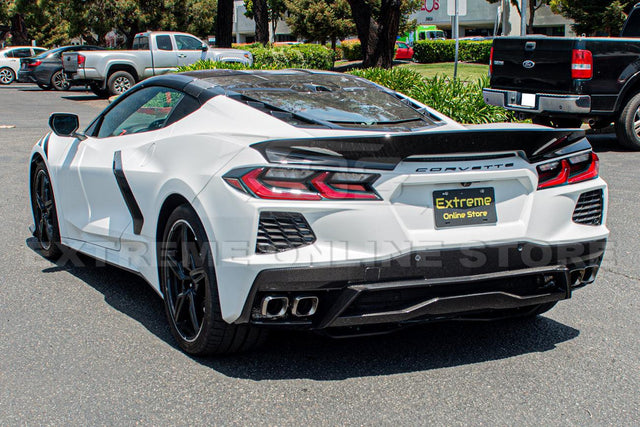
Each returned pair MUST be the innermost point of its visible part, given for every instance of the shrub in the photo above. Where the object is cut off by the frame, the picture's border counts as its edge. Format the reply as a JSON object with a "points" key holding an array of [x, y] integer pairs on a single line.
{"points": [[462, 101], [293, 56], [351, 50], [212, 65], [444, 51]]}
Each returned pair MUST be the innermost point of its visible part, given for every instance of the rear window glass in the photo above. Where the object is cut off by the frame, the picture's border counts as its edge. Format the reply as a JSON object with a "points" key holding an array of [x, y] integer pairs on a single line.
{"points": [[341, 100], [141, 43]]}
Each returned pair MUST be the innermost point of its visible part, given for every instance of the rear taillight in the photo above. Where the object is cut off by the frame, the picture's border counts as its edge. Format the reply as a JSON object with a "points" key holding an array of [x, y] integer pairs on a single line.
{"points": [[491, 62], [81, 59], [574, 169], [301, 184], [581, 64], [34, 63]]}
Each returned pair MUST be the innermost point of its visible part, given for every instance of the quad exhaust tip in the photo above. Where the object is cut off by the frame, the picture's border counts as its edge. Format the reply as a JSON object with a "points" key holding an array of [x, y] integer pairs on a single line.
{"points": [[304, 306], [274, 307]]}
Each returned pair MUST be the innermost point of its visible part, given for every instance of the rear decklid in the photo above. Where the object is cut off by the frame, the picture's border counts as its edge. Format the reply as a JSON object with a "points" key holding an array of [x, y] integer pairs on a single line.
{"points": [[532, 64]]}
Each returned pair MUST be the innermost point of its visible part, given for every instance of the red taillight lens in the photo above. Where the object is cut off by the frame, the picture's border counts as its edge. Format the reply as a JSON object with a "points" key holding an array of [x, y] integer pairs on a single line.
{"points": [[575, 169], [581, 64], [299, 184], [34, 63], [491, 62], [81, 59]]}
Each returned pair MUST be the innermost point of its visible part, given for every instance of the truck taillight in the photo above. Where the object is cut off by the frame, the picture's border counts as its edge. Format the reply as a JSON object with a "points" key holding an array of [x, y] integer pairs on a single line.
{"points": [[81, 59], [491, 62], [581, 64], [582, 167], [301, 184]]}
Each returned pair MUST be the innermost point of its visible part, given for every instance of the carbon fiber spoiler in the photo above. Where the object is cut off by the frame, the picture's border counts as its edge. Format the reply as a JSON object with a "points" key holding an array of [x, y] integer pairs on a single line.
{"points": [[386, 151]]}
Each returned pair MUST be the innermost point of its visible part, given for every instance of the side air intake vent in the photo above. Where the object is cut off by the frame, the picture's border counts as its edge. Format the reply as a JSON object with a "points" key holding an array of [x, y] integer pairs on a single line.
{"points": [[588, 210], [281, 231]]}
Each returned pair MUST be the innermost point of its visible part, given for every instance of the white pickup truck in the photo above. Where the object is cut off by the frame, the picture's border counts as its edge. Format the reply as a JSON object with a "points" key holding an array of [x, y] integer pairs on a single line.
{"points": [[111, 72]]}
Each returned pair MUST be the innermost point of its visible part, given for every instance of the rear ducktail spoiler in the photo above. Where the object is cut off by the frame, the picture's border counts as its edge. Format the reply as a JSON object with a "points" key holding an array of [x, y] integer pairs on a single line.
{"points": [[385, 152]]}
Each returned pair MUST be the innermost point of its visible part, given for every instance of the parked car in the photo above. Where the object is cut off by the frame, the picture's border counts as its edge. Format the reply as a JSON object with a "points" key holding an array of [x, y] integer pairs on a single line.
{"points": [[563, 81], [10, 61], [111, 72], [403, 51], [46, 69], [315, 200]]}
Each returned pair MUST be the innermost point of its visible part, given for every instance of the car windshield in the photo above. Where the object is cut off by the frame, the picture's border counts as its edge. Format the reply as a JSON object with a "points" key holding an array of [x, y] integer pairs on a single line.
{"points": [[336, 99]]}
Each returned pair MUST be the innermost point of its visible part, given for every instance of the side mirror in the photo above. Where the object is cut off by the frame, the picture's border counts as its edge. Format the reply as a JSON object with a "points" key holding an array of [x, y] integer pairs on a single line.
{"points": [[205, 48], [65, 124]]}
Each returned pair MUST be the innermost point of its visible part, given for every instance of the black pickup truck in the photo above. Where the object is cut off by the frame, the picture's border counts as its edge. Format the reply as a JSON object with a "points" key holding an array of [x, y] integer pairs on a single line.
{"points": [[558, 81]]}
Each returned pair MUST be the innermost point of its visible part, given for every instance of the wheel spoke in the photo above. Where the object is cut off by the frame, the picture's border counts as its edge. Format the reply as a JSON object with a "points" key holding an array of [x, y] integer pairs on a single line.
{"points": [[636, 126], [184, 247], [197, 275], [177, 308], [193, 314], [175, 267]]}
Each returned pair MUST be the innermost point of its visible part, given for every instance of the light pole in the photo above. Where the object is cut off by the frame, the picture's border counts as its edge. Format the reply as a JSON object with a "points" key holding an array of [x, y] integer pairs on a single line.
{"points": [[523, 17]]}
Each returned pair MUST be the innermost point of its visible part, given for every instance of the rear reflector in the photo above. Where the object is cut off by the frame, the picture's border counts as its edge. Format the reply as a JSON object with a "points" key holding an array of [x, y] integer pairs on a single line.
{"points": [[491, 62], [581, 64], [582, 167], [303, 184]]}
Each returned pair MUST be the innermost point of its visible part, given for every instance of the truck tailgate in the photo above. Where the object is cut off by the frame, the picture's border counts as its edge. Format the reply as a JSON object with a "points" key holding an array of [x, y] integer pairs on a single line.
{"points": [[532, 64], [70, 62]]}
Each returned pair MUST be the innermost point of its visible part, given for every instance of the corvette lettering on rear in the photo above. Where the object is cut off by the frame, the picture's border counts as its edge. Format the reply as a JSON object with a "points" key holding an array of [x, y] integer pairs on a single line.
{"points": [[465, 168]]}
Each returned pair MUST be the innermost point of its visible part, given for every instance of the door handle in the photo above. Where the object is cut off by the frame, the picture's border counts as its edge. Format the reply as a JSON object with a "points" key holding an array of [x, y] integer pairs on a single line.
{"points": [[182, 55]]}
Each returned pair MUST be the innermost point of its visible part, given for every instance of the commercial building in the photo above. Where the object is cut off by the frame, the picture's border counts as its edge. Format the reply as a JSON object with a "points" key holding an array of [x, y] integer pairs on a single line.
{"points": [[482, 19]]}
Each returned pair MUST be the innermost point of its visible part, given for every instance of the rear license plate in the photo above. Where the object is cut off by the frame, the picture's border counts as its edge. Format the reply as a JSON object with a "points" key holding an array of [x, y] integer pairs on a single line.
{"points": [[471, 206]]}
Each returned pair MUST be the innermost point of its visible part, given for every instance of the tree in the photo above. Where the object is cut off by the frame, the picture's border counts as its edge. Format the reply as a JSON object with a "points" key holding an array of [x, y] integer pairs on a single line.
{"points": [[593, 16], [261, 18], [224, 23], [533, 6], [377, 25], [275, 11], [320, 20]]}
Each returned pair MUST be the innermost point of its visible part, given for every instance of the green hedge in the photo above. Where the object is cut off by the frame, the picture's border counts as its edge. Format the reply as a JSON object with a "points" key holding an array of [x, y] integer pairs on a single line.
{"points": [[351, 50], [445, 50], [462, 101], [310, 56]]}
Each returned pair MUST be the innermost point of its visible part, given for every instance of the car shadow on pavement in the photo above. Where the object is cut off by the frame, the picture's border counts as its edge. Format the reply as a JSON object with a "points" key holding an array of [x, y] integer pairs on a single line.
{"points": [[89, 97], [305, 355]]}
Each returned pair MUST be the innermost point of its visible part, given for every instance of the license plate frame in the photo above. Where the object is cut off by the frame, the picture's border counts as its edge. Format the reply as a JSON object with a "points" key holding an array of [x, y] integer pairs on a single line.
{"points": [[466, 207]]}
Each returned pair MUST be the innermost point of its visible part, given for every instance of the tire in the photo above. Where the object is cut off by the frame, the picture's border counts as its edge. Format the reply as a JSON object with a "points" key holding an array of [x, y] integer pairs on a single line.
{"points": [[59, 81], [97, 89], [43, 86], [626, 129], [45, 215], [539, 309], [7, 76], [188, 283], [119, 82], [556, 122]]}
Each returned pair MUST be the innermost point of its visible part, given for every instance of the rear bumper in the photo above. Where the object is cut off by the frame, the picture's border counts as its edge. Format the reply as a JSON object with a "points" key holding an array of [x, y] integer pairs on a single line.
{"points": [[544, 103], [424, 286], [27, 77]]}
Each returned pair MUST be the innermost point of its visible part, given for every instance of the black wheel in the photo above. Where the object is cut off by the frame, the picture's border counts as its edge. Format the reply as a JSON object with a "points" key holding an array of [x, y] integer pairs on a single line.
{"points": [[59, 81], [97, 89], [119, 82], [45, 215], [539, 309], [188, 283], [44, 87], [628, 124], [556, 122], [7, 76]]}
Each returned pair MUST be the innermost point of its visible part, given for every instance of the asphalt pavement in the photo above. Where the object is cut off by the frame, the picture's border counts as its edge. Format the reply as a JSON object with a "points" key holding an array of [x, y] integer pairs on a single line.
{"points": [[89, 345]]}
